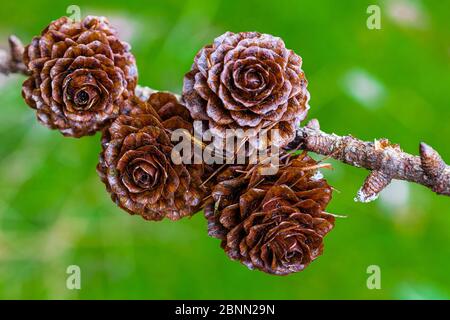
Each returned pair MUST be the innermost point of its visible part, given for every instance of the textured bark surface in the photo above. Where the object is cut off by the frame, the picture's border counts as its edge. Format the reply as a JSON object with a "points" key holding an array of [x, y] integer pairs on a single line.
{"points": [[386, 160], [11, 61]]}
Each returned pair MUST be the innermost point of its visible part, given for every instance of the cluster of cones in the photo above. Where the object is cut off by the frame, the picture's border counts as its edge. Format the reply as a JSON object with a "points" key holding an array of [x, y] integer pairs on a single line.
{"points": [[83, 79]]}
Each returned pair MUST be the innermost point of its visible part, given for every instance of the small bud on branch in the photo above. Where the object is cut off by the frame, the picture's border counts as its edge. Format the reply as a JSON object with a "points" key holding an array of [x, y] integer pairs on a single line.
{"points": [[11, 61]]}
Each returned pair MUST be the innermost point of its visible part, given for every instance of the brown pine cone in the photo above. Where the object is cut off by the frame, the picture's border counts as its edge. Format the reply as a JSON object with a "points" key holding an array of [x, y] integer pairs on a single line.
{"points": [[247, 80], [164, 106], [80, 75], [274, 223], [136, 164]]}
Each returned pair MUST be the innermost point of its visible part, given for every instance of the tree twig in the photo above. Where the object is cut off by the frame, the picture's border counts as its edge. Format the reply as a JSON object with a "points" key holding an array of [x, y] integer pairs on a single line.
{"points": [[11, 60], [385, 160]]}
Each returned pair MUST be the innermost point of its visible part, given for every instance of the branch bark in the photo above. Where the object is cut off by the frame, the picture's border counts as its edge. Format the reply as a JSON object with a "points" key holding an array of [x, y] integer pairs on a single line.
{"points": [[385, 160], [11, 60]]}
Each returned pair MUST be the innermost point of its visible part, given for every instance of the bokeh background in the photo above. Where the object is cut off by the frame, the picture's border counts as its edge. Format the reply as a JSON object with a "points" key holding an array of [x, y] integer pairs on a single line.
{"points": [[393, 82]]}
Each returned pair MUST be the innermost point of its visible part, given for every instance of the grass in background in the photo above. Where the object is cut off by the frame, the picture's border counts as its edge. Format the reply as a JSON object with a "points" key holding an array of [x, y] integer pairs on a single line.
{"points": [[393, 82]]}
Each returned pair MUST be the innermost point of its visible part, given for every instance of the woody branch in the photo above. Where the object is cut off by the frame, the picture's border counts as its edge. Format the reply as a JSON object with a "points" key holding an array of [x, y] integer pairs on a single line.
{"points": [[386, 161], [11, 60]]}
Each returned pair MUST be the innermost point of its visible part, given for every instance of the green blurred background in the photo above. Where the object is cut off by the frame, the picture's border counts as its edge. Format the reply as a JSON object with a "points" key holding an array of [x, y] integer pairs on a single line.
{"points": [[393, 82]]}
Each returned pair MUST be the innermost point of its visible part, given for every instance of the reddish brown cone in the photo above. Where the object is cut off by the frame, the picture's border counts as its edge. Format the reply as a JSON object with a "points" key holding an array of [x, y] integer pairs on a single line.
{"points": [[136, 164], [272, 223], [80, 75], [247, 80]]}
